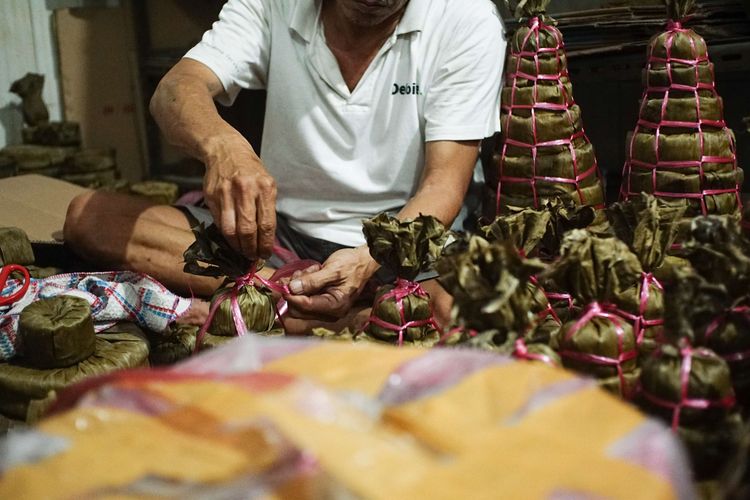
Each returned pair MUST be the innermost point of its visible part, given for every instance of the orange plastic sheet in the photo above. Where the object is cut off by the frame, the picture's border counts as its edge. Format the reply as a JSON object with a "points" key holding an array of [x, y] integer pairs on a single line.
{"points": [[283, 418]]}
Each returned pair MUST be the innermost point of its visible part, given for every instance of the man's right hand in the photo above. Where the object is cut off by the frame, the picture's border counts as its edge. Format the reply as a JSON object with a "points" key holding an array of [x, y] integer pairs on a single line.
{"points": [[241, 195]]}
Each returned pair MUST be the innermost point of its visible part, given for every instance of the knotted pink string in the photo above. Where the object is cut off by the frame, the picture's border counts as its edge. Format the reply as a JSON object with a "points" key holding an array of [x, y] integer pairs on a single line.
{"points": [[252, 278], [685, 401], [536, 25], [402, 289], [719, 322], [597, 310], [521, 351], [632, 164]]}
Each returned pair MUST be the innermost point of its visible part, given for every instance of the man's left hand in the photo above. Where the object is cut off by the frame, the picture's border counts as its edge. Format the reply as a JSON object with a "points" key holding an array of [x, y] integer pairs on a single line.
{"points": [[330, 291]]}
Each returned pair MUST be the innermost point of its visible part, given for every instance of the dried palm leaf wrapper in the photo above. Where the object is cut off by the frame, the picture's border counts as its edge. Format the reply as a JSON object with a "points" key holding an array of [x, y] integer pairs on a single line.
{"points": [[489, 283], [402, 311], [543, 152], [649, 227], [162, 193], [525, 228], [27, 392], [15, 247], [687, 385], [56, 332], [244, 304], [600, 273], [682, 147], [711, 306], [53, 134]]}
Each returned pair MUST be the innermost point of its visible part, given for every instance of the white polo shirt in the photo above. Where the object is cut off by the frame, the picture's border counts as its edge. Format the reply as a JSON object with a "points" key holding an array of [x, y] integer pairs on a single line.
{"points": [[338, 156]]}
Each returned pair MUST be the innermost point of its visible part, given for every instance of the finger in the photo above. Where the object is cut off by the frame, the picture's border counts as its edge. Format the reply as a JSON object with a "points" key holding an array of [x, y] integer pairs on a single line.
{"points": [[313, 282], [244, 203], [266, 207], [226, 220]]}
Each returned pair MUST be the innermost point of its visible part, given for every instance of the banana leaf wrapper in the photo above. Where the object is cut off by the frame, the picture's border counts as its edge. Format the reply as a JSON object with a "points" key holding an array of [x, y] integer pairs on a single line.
{"points": [[256, 306], [595, 269], [25, 389], [601, 344], [717, 450], [91, 160], [648, 226], [569, 172], [687, 386], [211, 255], [496, 341], [488, 282], [406, 248], [161, 193], [524, 227], [15, 247], [679, 143], [56, 332], [37, 272], [53, 134], [345, 335], [177, 345], [40, 160], [564, 217], [397, 306], [539, 352]]}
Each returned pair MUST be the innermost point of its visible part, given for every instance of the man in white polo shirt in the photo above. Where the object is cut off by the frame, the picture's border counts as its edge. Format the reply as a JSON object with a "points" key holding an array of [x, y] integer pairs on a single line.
{"points": [[372, 106]]}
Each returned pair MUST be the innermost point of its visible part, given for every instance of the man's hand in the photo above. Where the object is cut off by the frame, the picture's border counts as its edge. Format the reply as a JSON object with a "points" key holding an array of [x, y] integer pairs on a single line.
{"points": [[241, 195], [329, 292]]}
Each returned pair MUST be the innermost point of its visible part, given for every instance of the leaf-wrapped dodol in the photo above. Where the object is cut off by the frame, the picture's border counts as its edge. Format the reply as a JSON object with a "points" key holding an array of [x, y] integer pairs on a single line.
{"points": [[712, 306], [162, 193], [244, 304], [525, 228], [27, 391], [402, 311], [543, 152], [686, 385], [56, 332], [489, 283], [681, 146], [53, 134], [15, 247], [649, 227], [600, 273]]}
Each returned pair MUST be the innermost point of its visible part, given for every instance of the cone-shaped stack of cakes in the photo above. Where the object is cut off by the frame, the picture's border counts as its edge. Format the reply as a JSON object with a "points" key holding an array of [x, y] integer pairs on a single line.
{"points": [[543, 152], [681, 147]]}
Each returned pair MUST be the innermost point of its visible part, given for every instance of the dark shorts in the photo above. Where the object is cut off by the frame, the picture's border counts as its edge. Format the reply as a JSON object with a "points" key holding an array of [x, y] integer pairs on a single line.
{"points": [[304, 246]]}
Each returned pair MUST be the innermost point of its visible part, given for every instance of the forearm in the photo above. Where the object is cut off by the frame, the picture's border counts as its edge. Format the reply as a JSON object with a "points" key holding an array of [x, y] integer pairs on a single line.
{"points": [[448, 169], [183, 107]]}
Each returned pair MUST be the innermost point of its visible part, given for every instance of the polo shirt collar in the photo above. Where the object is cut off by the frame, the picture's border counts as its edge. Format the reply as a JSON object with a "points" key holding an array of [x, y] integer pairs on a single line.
{"points": [[305, 17]]}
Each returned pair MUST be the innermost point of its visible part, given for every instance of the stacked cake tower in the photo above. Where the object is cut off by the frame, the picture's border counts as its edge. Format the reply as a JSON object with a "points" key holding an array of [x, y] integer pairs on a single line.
{"points": [[543, 152]]}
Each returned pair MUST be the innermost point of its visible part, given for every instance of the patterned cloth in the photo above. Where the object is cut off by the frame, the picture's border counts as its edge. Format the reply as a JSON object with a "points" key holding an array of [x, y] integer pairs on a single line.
{"points": [[113, 296]]}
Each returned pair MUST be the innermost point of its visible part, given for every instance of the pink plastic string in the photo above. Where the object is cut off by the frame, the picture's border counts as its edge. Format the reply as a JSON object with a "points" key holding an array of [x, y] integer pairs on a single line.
{"points": [[597, 310], [402, 289], [719, 322], [521, 351], [456, 331], [639, 321], [686, 401], [549, 310], [633, 164], [536, 26], [252, 278]]}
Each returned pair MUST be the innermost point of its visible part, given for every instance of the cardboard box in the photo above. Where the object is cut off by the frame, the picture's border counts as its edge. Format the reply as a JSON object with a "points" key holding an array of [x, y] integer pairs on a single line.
{"points": [[36, 204]]}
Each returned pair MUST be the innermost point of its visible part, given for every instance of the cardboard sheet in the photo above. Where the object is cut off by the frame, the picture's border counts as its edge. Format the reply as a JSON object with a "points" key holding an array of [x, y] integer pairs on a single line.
{"points": [[36, 204]]}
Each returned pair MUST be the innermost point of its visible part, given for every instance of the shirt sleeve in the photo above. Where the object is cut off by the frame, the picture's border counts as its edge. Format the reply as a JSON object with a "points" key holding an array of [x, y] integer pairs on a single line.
{"points": [[237, 47], [463, 100]]}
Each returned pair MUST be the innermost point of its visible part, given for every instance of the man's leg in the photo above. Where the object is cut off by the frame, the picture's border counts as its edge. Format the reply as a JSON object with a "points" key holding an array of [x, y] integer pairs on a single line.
{"points": [[117, 231]]}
